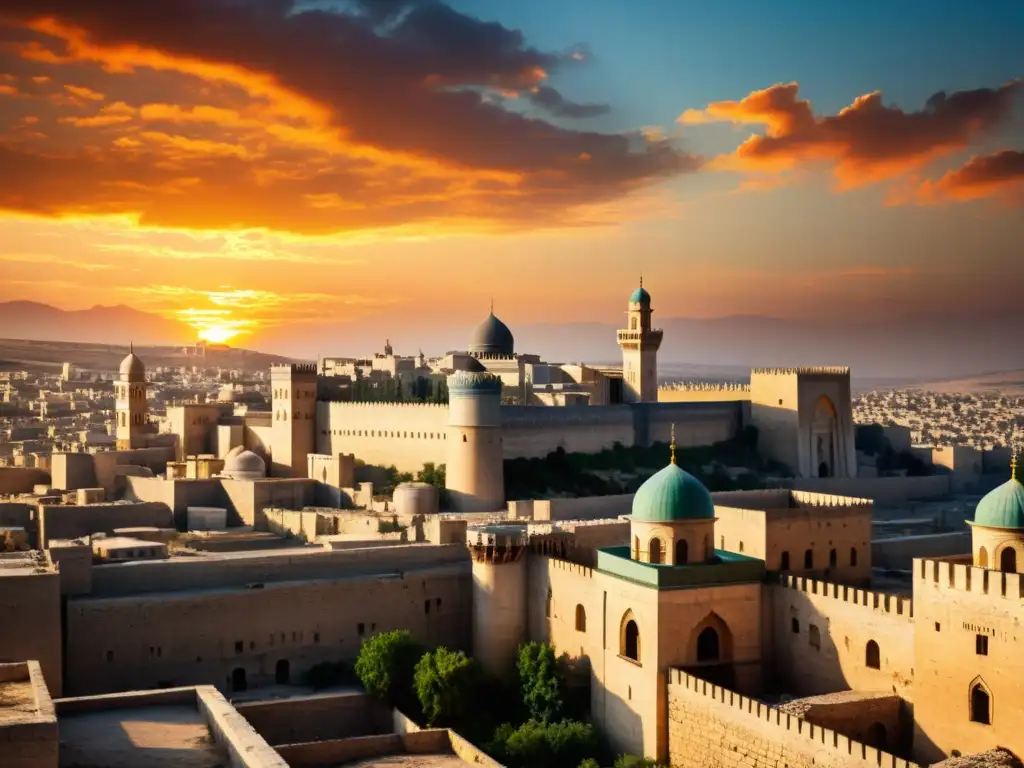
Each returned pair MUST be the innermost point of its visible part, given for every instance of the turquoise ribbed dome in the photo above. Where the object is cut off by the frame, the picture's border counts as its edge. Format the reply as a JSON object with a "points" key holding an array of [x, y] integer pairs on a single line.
{"points": [[640, 296], [672, 495], [1002, 507]]}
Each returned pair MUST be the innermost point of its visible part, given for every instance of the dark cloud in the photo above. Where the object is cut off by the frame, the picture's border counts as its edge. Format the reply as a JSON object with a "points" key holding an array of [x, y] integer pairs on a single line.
{"points": [[994, 175], [402, 82], [550, 99]]}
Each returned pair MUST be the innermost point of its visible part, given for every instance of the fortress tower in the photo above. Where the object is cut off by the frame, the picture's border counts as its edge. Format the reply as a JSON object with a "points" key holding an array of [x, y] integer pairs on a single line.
{"points": [[499, 596], [294, 418], [132, 408], [640, 343], [475, 477]]}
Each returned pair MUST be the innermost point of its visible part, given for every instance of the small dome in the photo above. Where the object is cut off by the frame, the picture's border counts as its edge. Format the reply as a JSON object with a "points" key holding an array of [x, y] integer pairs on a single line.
{"points": [[132, 366], [245, 466], [1002, 507], [492, 337], [640, 296], [671, 495]]}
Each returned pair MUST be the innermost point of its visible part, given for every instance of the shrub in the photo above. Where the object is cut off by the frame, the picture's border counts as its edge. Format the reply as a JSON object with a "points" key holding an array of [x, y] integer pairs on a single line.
{"points": [[589, 763], [544, 745], [633, 761], [328, 673], [386, 665], [541, 682], [445, 684]]}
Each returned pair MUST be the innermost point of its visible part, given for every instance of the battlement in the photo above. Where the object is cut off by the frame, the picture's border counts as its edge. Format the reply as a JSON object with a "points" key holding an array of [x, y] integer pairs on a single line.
{"points": [[304, 369], [705, 386], [570, 567], [350, 405], [809, 370], [894, 605], [792, 730], [947, 574], [814, 499]]}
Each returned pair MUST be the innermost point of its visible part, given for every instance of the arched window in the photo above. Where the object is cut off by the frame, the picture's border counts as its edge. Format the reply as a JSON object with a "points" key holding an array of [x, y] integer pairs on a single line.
{"points": [[654, 550], [784, 561], [707, 547], [795, 626], [707, 645], [982, 558], [1008, 560], [872, 657], [808, 559], [632, 324], [876, 736], [853, 556], [238, 679], [581, 619], [681, 552], [981, 704], [282, 672], [833, 558], [636, 547], [629, 640], [814, 637]]}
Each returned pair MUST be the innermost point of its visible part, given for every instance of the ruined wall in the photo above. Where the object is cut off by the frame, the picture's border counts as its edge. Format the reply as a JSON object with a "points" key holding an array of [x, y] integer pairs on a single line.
{"points": [[203, 635], [968, 633], [73, 521], [820, 636], [712, 727], [30, 624]]}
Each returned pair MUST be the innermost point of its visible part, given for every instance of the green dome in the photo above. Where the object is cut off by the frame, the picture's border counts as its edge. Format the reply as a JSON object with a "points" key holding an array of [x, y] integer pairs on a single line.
{"points": [[672, 495], [640, 296], [1002, 507]]}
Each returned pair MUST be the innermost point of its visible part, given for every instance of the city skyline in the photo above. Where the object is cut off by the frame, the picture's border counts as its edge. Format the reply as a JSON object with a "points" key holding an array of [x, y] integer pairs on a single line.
{"points": [[340, 165]]}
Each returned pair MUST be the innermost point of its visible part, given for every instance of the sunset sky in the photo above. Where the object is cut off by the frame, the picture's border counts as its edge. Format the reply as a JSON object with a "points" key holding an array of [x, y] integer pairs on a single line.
{"points": [[265, 167]]}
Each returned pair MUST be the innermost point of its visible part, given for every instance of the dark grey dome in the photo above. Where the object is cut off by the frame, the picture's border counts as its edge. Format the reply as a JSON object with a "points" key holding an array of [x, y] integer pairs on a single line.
{"points": [[491, 337]]}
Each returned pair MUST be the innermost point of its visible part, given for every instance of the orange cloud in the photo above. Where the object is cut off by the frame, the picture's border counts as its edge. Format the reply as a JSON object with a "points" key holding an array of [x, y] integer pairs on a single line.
{"points": [[865, 142], [84, 93], [8, 90], [994, 175]]}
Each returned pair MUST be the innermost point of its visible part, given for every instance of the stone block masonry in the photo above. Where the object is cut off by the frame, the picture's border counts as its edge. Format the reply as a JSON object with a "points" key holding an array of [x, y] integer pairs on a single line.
{"points": [[713, 727]]}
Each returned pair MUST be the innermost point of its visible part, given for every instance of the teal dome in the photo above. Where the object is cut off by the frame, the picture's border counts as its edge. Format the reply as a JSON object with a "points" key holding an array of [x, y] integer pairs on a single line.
{"points": [[640, 296], [672, 495], [1002, 507]]}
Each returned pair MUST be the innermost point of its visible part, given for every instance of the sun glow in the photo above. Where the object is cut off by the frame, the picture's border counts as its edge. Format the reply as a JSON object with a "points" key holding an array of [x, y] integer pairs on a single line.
{"points": [[218, 334]]}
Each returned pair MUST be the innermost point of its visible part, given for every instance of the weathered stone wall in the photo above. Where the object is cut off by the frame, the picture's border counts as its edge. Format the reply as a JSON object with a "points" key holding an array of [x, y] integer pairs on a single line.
{"points": [[317, 717], [872, 718], [73, 521], [821, 632], [30, 626], [712, 727]]}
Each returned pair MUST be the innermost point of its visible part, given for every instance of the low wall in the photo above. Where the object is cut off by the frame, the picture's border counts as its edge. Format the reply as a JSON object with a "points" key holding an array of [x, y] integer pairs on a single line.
{"points": [[21, 479], [713, 727], [898, 552], [584, 508], [874, 718], [881, 490], [320, 717], [74, 521], [31, 741]]}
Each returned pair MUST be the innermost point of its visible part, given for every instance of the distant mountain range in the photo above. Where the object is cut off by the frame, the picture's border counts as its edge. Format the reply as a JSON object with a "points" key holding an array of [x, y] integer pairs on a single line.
{"points": [[886, 350], [98, 325]]}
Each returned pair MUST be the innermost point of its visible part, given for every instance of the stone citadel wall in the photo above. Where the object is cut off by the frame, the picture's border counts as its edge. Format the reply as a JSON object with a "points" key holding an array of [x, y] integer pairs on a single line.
{"points": [[409, 435], [820, 633], [713, 727], [202, 636]]}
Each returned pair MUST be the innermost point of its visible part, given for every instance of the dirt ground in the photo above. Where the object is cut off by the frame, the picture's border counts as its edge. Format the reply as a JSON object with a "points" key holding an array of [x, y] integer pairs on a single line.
{"points": [[155, 737], [17, 702]]}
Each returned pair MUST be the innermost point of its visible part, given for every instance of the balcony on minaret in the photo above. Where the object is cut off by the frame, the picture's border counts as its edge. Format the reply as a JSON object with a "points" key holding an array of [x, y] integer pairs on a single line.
{"points": [[647, 339]]}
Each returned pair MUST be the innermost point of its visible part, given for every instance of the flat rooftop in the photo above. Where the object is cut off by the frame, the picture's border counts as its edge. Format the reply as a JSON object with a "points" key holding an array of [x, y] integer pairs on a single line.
{"points": [[171, 736]]}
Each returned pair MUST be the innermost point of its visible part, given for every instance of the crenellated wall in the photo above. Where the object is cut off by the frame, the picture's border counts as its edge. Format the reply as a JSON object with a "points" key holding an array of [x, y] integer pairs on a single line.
{"points": [[969, 632], [407, 435], [713, 727], [820, 635]]}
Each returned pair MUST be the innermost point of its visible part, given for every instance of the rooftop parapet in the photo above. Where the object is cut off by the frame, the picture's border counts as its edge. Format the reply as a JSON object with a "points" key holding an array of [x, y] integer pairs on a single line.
{"points": [[294, 368], [809, 370], [875, 601], [953, 574]]}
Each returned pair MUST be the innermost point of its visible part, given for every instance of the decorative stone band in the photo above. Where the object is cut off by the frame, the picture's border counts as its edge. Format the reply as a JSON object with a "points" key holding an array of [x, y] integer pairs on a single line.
{"points": [[470, 383]]}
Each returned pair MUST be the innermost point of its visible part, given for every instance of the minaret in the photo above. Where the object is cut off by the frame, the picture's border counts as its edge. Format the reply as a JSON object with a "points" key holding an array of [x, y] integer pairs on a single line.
{"points": [[500, 590], [640, 343], [131, 405], [475, 473]]}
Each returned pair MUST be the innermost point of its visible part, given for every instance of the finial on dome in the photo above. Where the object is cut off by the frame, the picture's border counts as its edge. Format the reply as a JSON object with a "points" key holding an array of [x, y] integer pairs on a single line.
{"points": [[641, 279], [1014, 449], [672, 445], [492, 305], [131, 348]]}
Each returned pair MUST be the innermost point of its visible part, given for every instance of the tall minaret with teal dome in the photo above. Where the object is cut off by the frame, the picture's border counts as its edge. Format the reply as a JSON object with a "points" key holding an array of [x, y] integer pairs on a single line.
{"points": [[640, 343]]}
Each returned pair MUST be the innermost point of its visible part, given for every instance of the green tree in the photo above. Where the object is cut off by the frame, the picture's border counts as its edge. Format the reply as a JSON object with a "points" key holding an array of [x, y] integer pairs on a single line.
{"points": [[445, 683], [541, 682], [386, 667], [544, 745], [589, 763], [432, 474], [633, 761]]}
